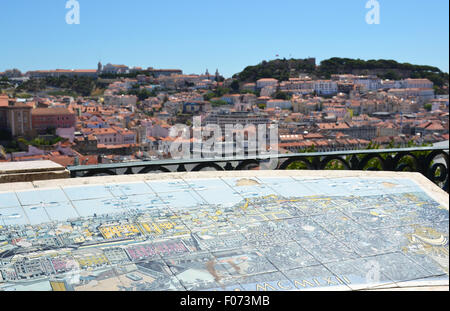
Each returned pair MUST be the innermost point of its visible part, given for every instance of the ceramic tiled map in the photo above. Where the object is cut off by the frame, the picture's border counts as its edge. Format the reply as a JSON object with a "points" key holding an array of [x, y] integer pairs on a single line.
{"points": [[264, 230]]}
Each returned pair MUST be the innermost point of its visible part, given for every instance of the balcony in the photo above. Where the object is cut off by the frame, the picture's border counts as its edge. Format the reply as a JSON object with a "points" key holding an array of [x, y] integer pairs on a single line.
{"points": [[432, 162]]}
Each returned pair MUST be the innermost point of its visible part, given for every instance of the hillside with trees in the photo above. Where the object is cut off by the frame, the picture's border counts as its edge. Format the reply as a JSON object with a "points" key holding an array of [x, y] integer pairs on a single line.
{"points": [[82, 86], [283, 69], [280, 69]]}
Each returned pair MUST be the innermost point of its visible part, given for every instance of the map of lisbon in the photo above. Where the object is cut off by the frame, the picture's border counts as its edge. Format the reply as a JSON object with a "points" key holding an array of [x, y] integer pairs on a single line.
{"points": [[260, 232]]}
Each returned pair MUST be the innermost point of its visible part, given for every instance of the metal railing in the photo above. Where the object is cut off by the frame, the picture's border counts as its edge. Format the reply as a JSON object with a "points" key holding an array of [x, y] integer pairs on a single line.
{"points": [[433, 162]]}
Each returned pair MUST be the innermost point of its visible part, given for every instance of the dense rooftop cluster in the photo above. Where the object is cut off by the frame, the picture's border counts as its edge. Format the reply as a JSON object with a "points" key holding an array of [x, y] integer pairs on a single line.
{"points": [[131, 112]]}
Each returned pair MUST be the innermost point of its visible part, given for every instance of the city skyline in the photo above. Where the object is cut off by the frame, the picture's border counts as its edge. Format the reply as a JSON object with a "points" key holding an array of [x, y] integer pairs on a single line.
{"points": [[202, 35], [203, 145]]}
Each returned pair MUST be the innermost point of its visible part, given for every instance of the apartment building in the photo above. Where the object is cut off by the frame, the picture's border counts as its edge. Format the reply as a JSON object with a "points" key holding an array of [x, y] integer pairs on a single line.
{"points": [[113, 136], [279, 103], [325, 87], [368, 83], [45, 118], [266, 82], [298, 86], [420, 93], [391, 84], [114, 69], [236, 118], [417, 84], [16, 117]]}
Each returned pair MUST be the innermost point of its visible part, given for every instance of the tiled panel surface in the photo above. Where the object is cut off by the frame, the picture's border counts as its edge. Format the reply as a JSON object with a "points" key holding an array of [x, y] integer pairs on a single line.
{"points": [[229, 233]]}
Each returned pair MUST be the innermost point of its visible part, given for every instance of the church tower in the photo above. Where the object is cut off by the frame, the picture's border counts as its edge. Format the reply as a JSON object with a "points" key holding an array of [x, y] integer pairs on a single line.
{"points": [[99, 67]]}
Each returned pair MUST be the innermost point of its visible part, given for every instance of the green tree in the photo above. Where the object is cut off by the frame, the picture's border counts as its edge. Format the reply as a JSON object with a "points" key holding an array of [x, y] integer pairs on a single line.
{"points": [[391, 75], [218, 103], [282, 95], [235, 86]]}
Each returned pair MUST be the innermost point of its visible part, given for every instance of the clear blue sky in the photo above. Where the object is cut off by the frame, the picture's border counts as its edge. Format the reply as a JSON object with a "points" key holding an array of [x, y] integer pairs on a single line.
{"points": [[229, 35]]}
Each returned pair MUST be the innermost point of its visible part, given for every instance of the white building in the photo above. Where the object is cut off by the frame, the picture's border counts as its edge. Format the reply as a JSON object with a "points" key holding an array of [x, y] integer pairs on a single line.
{"points": [[419, 93], [391, 84], [115, 69], [282, 104], [268, 91], [368, 83], [266, 82], [417, 83], [298, 86], [325, 87]]}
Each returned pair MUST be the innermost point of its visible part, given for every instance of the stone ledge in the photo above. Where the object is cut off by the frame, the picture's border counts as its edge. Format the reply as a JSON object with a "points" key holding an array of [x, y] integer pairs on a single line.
{"points": [[11, 172]]}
